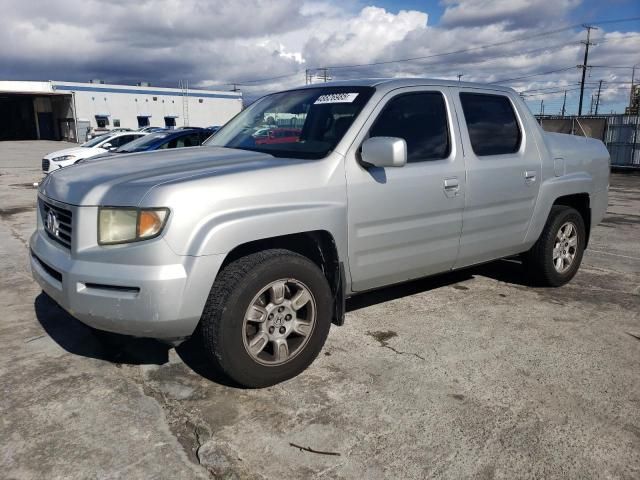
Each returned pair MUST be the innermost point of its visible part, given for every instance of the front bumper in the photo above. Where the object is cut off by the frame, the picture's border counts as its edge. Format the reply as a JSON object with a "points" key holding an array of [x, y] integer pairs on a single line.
{"points": [[158, 301]]}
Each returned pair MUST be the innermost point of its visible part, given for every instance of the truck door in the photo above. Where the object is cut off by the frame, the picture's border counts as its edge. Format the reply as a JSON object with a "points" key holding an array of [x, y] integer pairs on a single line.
{"points": [[405, 222], [503, 174]]}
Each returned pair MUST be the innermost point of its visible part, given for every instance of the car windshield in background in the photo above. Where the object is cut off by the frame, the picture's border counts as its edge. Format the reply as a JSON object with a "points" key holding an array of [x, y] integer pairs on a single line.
{"points": [[95, 141], [306, 123], [140, 144]]}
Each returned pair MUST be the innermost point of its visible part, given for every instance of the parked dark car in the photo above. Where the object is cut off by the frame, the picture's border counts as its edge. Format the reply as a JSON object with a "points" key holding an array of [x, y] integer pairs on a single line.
{"points": [[163, 140]]}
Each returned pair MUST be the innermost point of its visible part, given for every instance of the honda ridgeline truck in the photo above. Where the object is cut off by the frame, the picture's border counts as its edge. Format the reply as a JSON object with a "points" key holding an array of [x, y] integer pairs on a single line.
{"points": [[254, 246]]}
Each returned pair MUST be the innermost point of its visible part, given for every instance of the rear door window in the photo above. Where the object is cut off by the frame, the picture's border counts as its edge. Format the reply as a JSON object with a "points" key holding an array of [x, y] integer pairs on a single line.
{"points": [[123, 140], [492, 124]]}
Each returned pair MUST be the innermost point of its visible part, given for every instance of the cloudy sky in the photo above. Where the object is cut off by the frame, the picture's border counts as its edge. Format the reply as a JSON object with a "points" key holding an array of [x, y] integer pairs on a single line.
{"points": [[265, 45]]}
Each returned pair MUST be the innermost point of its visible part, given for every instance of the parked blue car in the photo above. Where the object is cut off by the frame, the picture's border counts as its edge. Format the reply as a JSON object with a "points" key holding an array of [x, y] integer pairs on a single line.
{"points": [[165, 139]]}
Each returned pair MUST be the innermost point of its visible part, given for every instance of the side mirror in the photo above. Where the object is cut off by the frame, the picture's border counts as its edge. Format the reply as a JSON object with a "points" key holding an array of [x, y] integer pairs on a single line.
{"points": [[385, 151], [107, 146]]}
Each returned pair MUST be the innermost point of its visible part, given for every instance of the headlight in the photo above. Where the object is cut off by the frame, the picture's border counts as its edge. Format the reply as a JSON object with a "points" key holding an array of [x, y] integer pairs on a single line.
{"points": [[63, 158], [124, 224]]}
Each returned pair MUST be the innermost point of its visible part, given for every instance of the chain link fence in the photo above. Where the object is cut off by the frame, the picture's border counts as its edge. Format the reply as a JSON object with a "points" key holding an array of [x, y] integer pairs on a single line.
{"points": [[620, 133]]}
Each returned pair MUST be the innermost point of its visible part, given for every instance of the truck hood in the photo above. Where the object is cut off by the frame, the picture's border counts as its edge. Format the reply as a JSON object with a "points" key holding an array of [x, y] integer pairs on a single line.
{"points": [[123, 180]]}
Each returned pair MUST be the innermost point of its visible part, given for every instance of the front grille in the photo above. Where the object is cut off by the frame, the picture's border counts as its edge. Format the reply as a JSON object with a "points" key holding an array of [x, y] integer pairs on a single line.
{"points": [[51, 271], [57, 223], [45, 165]]}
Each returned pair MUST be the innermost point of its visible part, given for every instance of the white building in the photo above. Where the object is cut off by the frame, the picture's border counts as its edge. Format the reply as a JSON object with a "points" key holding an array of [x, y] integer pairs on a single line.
{"points": [[65, 110]]}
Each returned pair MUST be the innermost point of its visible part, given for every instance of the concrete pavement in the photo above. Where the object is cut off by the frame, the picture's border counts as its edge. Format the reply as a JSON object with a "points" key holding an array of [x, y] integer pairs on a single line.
{"points": [[468, 375]]}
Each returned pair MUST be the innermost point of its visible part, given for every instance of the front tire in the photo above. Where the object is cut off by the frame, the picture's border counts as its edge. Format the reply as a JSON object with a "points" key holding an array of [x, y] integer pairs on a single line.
{"points": [[267, 317], [555, 258]]}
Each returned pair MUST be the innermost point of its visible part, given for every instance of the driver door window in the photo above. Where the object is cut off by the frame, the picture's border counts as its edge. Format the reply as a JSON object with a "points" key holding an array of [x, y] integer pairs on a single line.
{"points": [[421, 120]]}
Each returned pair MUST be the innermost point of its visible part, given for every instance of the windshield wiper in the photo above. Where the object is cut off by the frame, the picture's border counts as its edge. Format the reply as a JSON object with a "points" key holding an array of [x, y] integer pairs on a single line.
{"points": [[249, 149]]}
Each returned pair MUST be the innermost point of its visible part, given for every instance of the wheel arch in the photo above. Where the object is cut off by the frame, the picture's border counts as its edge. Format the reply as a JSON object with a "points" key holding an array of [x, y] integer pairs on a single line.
{"points": [[573, 190], [319, 246], [581, 203]]}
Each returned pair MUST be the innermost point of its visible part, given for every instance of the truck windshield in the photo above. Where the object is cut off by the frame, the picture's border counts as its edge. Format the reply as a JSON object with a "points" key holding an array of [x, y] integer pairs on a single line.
{"points": [[306, 123]]}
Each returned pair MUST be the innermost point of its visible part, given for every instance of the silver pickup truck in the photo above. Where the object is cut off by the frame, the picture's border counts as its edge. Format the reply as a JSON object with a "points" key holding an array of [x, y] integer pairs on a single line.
{"points": [[254, 241]]}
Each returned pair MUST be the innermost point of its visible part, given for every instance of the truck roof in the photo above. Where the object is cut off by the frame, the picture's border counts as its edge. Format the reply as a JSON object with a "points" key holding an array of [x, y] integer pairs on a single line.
{"points": [[392, 83]]}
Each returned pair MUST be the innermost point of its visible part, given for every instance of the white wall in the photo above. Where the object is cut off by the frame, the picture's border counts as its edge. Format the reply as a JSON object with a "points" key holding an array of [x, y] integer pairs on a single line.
{"points": [[25, 87], [124, 103]]}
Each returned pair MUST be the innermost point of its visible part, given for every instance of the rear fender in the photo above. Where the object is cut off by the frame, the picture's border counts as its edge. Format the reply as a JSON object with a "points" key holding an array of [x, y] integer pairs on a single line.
{"points": [[550, 191]]}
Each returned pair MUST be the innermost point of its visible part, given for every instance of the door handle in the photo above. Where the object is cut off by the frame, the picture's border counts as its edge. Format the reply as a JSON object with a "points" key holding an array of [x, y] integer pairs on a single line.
{"points": [[530, 176], [451, 187]]}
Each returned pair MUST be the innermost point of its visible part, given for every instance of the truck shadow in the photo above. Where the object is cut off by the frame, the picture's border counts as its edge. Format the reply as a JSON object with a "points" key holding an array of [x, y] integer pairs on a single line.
{"points": [[505, 270], [79, 339]]}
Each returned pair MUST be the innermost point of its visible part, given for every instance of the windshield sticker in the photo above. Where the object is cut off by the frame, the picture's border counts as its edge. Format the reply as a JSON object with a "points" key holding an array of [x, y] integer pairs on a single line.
{"points": [[336, 98]]}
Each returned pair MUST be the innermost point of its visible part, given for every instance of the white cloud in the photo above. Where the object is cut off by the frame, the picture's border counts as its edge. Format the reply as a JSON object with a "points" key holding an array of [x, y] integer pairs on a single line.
{"points": [[512, 13], [361, 38], [217, 42]]}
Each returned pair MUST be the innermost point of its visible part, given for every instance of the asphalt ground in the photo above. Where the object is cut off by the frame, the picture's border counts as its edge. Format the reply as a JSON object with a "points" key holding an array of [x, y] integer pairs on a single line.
{"points": [[473, 374]]}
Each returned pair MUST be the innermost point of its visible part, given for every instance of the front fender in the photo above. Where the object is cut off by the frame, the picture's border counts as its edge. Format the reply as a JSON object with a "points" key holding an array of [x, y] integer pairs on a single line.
{"points": [[221, 232]]}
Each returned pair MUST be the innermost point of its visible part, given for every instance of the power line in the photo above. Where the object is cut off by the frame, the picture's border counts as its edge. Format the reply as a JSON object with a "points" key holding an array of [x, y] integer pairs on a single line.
{"points": [[480, 47], [609, 66], [555, 87], [619, 20], [550, 93], [561, 86], [244, 82], [532, 75], [561, 90], [454, 52]]}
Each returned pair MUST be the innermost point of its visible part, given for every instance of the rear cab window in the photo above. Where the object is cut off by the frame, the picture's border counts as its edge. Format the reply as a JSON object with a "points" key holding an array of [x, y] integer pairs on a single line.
{"points": [[492, 123]]}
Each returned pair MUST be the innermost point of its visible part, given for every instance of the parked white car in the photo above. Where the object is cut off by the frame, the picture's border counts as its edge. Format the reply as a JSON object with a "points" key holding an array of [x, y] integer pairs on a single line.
{"points": [[96, 146]]}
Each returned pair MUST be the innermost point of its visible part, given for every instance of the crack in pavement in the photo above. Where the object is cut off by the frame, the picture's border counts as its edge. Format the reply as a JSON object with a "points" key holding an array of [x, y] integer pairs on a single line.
{"points": [[383, 336], [189, 429], [198, 443], [15, 234]]}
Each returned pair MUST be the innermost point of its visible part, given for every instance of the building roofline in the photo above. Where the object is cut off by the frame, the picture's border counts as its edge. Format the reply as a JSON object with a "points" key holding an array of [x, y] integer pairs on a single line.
{"points": [[57, 87], [142, 90]]}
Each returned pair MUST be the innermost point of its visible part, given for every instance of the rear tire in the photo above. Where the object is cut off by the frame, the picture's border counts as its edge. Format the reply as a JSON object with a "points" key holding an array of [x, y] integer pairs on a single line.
{"points": [[267, 317], [555, 258]]}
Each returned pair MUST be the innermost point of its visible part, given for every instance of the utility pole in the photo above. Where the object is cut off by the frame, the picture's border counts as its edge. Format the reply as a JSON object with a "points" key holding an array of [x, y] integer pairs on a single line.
{"points": [[633, 76], [584, 64], [460, 75], [564, 102], [598, 97]]}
